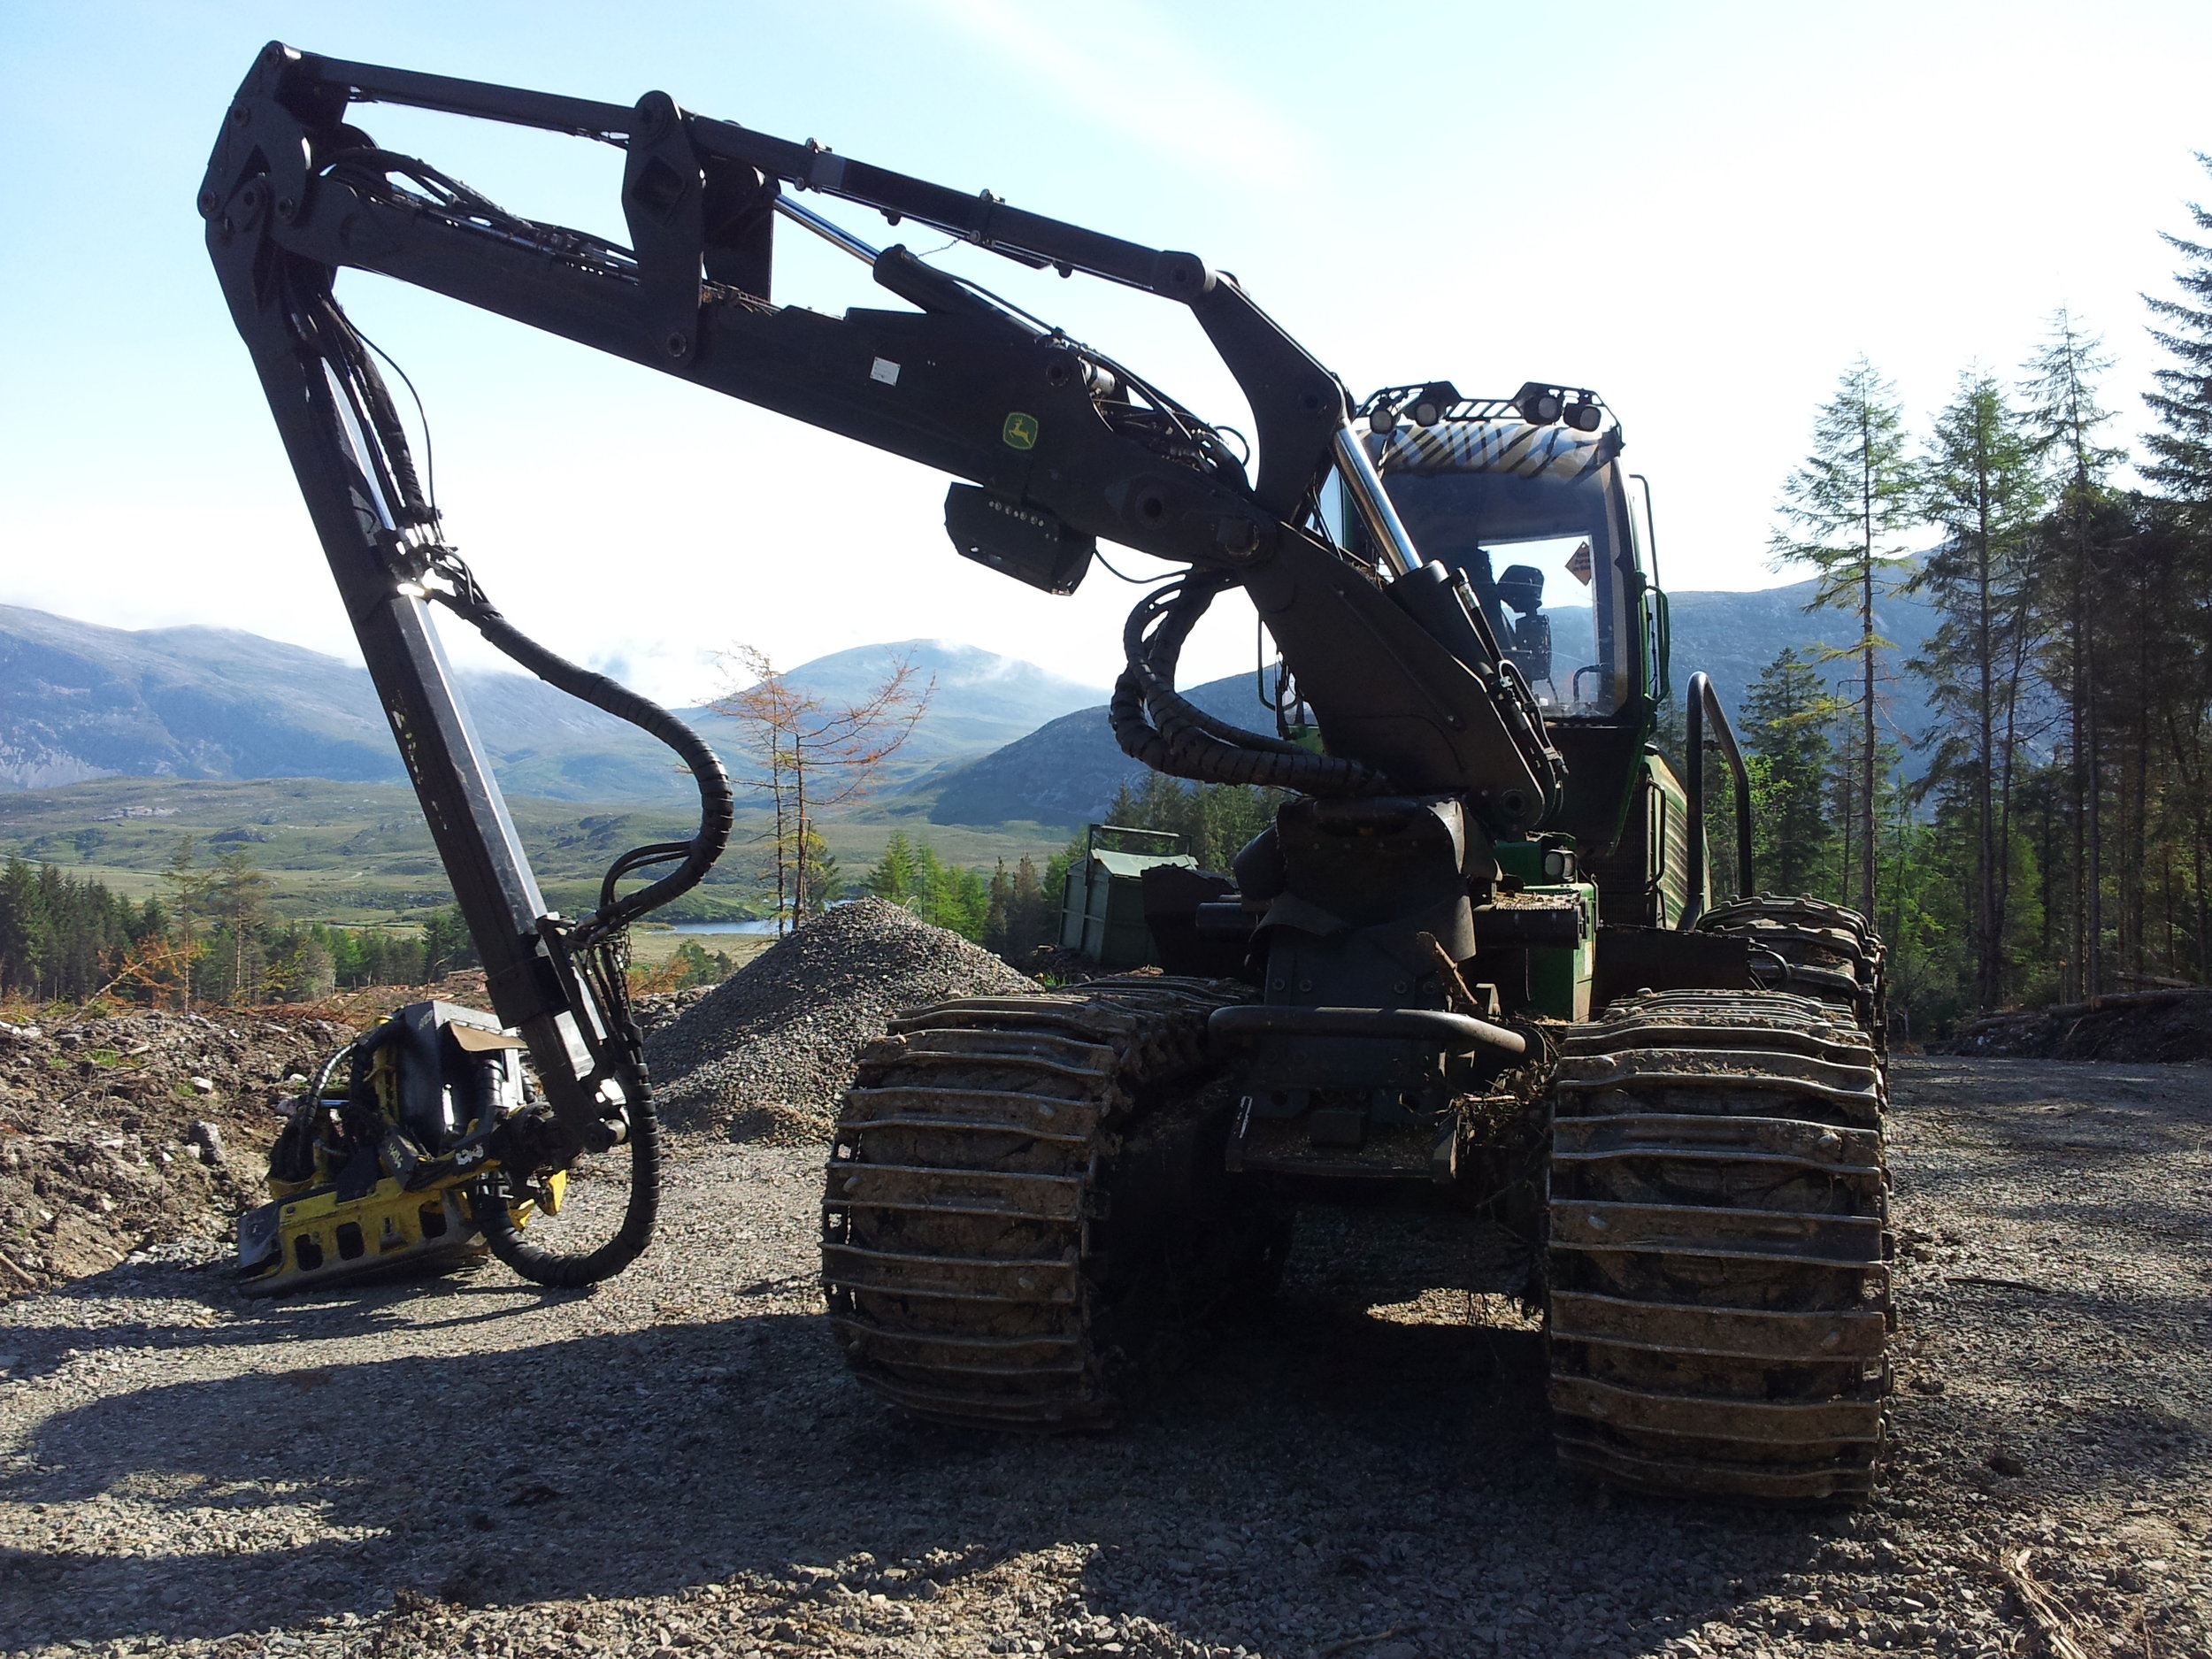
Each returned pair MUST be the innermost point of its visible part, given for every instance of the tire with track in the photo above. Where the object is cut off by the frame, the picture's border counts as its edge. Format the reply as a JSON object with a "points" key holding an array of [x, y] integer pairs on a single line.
{"points": [[1718, 1292], [1025, 1192]]}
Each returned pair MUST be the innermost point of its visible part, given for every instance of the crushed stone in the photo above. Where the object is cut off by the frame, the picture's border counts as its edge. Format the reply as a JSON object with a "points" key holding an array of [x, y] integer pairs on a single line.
{"points": [[678, 1463], [766, 1053]]}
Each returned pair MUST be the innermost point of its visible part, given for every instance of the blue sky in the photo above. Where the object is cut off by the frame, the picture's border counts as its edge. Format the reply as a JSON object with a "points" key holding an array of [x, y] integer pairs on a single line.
{"points": [[1703, 210]]}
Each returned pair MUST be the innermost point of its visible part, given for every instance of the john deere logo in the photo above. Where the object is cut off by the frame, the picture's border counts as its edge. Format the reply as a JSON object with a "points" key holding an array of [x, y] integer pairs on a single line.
{"points": [[1020, 431]]}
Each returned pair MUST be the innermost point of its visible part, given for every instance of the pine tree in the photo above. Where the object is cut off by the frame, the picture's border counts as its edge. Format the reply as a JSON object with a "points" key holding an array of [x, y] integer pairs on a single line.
{"points": [[189, 886], [1982, 486], [998, 933], [447, 944], [24, 936], [1787, 714], [2181, 451], [2063, 415], [892, 875], [825, 882], [238, 894], [1030, 914], [1844, 511], [925, 897]]}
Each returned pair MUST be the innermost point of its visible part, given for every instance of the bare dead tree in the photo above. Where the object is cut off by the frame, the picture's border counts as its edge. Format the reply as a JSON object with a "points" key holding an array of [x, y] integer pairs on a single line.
{"points": [[812, 754]]}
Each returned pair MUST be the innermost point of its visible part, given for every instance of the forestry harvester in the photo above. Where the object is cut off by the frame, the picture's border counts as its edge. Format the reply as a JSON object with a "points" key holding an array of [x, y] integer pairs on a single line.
{"points": [[1472, 968]]}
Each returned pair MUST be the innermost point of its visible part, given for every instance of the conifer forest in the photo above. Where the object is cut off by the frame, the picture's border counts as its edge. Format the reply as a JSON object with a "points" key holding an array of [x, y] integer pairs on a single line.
{"points": [[2047, 840]]}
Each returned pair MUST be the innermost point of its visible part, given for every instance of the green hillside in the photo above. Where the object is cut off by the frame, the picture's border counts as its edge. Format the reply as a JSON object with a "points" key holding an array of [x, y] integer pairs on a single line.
{"points": [[358, 853]]}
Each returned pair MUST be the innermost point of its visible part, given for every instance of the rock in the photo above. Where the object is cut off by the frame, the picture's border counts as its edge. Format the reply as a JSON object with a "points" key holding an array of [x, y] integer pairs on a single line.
{"points": [[209, 1139], [112, 1152]]}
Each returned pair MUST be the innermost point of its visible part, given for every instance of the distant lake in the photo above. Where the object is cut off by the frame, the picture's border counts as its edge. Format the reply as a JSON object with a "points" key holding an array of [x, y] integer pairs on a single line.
{"points": [[755, 928]]}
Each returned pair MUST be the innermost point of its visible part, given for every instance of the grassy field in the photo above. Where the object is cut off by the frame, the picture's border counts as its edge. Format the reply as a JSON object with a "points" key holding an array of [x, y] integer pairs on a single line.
{"points": [[651, 945], [361, 853]]}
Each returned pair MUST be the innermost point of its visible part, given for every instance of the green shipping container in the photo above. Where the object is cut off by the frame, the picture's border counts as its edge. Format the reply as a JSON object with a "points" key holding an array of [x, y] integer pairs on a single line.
{"points": [[1101, 911]]}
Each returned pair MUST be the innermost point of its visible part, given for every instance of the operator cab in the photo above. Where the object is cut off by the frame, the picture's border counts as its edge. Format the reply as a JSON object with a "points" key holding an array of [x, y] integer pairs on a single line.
{"points": [[1524, 497]]}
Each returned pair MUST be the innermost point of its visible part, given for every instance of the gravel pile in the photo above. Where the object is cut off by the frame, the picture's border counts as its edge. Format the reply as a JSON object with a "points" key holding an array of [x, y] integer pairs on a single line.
{"points": [[129, 1129], [768, 1051], [678, 1463]]}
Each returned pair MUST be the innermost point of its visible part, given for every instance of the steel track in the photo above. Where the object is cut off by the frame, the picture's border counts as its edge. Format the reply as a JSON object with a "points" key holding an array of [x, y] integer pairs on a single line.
{"points": [[1815, 949], [995, 1165], [1719, 1255]]}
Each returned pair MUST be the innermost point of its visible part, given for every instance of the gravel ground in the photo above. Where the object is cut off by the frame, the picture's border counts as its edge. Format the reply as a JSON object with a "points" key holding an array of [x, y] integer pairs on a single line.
{"points": [[767, 1052], [677, 1462]]}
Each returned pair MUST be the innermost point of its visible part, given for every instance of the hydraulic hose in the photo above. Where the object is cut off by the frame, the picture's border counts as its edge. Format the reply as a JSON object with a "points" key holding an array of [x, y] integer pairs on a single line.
{"points": [[347, 354], [1157, 725], [558, 1271], [595, 946], [599, 937], [717, 805]]}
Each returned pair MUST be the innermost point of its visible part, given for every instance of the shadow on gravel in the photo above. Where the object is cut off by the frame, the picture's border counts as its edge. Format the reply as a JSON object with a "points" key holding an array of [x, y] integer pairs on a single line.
{"points": [[1320, 1474], [1344, 1469], [393, 1305]]}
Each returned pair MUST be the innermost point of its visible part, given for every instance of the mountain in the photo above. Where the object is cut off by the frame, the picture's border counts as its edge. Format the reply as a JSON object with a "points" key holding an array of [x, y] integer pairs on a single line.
{"points": [[981, 702], [79, 701], [1067, 771], [1731, 636]]}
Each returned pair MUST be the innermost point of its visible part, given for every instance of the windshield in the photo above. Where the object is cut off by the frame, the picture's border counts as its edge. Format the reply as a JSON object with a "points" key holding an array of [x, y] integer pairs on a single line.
{"points": [[1535, 520]]}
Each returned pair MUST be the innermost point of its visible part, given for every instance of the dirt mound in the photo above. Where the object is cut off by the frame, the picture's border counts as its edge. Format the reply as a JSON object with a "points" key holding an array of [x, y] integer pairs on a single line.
{"points": [[2160, 1026], [122, 1131], [767, 1052]]}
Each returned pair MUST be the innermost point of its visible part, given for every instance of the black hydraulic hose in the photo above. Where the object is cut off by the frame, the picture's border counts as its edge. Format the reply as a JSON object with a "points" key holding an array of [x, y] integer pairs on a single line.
{"points": [[1153, 658], [598, 936], [1206, 760], [1164, 731], [558, 1271], [717, 808], [717, 805], [602, 971], [347, 352]]}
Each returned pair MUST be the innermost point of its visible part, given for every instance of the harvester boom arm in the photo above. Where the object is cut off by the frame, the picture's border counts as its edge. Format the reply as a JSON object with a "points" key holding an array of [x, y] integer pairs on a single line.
{"points": [[1060, 446]]}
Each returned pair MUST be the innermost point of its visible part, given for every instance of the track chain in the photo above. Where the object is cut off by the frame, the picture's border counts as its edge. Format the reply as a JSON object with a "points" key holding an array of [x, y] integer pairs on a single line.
{"points": [[978, 1158], [1718, 1254], [1812, 947]]}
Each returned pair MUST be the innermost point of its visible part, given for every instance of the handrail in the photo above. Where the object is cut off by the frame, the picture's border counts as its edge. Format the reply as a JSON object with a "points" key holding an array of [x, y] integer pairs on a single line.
{"points": [[1659, 679], [1704, 702]]}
